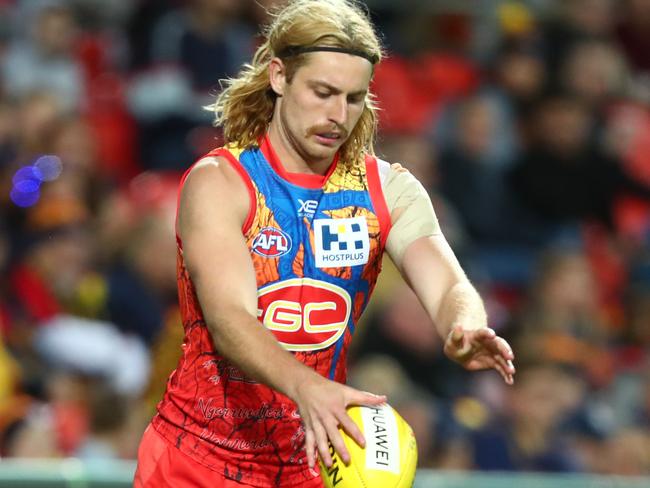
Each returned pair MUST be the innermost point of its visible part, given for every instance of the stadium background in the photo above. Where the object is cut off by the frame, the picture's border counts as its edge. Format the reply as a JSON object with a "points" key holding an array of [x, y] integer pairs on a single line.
{"points": [[529, 124]]}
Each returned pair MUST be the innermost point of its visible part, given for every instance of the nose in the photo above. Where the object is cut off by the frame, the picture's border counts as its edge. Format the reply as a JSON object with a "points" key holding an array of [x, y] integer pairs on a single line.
{"points": [[338, 112]]}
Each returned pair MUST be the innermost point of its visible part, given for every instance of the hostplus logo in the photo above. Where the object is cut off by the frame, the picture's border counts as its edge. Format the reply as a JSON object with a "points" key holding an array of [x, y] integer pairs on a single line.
{"points": [[341, 242]]}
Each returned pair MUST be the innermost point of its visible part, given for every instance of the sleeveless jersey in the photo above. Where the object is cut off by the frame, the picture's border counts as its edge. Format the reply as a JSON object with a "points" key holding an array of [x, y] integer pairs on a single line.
{"points": [[316, 244]]}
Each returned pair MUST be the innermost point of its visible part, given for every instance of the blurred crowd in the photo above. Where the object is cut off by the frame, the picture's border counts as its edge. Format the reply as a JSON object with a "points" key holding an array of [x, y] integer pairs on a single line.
{"points": [[527, 121]]}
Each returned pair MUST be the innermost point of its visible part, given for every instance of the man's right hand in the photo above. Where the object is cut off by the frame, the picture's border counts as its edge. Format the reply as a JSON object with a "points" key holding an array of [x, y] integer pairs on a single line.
{"points": [[323, 407]]}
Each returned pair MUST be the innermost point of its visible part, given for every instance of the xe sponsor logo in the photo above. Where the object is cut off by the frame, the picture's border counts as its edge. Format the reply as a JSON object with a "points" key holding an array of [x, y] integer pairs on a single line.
{"points": [[304, 314], [271, 242], [341, 242], [307, 207]]}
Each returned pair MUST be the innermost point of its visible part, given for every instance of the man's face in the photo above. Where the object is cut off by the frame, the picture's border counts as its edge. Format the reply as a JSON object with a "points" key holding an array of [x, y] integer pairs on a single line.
{"points": [[320, 106]]}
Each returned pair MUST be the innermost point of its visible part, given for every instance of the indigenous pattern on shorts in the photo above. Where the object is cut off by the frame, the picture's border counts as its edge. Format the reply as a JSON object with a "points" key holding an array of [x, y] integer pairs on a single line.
{"points": [[316, 243]]}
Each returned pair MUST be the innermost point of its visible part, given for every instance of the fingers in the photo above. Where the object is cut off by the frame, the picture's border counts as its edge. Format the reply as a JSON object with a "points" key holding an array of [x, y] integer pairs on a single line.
{"points": [[456, 345], [322, 444], [499, 367], [356, 397], [502, 354], [337, 441], [324, 411], [505, 349], [503, 358], [310, 447], [497, 344], [457, 336], [505, 368], [352, 429], [481, 348], [485, 334], [328, 433], [506, 364]]}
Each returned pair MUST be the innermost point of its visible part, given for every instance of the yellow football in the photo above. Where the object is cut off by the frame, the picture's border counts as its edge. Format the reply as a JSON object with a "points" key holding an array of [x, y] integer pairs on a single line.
{"points": [[389, 459]]}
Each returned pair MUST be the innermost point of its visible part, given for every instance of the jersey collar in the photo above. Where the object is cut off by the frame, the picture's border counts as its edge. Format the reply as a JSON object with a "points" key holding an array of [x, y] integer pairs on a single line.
{"points": [[300, 179]]}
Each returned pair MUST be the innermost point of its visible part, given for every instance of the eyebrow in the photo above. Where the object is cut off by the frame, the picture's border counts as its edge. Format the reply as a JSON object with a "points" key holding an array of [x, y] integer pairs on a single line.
{"points": [[333, 89]]}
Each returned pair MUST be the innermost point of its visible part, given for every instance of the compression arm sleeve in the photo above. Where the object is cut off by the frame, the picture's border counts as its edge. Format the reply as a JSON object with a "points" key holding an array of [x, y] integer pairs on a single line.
{"points": [[411, 211]]}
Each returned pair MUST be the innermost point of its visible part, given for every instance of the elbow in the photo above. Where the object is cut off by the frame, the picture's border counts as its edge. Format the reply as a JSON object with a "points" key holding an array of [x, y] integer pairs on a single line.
{"points": [[227, 324]]}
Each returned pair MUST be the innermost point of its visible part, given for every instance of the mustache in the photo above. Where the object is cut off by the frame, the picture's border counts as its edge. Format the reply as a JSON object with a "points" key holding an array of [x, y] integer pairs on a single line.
{"points": [[321, 129]]}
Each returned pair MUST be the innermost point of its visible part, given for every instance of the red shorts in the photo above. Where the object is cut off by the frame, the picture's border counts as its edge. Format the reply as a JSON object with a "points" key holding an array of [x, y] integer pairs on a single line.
{"points": [[160, 464]]}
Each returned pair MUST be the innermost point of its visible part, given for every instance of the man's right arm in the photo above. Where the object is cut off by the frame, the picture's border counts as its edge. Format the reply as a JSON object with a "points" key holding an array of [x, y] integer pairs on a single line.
{"points": [[213, 206]]}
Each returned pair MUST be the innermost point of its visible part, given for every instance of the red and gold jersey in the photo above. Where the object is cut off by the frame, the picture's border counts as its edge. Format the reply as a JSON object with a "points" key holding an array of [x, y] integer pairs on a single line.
{"points": [[316, 243]]}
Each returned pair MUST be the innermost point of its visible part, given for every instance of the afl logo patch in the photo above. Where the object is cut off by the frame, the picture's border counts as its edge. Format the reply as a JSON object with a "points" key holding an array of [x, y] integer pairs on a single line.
{"points": [[271, 243]]}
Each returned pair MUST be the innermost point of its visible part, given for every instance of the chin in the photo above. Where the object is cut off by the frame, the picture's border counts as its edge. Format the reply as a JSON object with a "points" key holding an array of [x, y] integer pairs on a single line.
{"points": [[319, 153], [328, 151]]}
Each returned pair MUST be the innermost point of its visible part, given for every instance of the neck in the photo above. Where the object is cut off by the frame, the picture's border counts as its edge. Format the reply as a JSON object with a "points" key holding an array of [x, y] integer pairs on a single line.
{"points": [[293, 159]]}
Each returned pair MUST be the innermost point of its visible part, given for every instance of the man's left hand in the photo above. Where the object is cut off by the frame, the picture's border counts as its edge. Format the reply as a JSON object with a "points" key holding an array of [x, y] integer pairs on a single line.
{"points": [[480, 349]]}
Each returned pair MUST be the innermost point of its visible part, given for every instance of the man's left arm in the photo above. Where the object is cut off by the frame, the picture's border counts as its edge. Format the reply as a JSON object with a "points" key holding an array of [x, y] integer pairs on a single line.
{"points": [[428, 264]]}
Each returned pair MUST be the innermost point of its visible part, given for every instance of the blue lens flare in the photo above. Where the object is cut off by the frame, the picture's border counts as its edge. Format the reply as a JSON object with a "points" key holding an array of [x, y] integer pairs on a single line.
{"points": [[28, 179], [24, 198], [27, 186], [48, 167], [26, 173]]}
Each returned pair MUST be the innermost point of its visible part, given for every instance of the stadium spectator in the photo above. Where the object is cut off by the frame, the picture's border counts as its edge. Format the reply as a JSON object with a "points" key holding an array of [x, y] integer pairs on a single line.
{"points": [[563, 177], [527, 436], [45, 58]]}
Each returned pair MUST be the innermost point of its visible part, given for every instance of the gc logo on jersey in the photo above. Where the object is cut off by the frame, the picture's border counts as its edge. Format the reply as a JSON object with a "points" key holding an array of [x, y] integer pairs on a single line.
{"points": [[304, 314], [271, 242], [341, 242]]}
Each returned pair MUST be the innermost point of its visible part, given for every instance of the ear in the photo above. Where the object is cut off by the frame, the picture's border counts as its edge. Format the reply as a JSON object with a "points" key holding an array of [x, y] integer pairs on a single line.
{"points": [[277, 76]]}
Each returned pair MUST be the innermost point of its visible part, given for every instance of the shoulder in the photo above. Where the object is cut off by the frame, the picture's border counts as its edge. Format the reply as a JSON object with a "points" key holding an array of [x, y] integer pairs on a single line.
{"points": [[213, 170], [214, 181], [394, 174], [386, 169], [402, 189], [221, 163]]}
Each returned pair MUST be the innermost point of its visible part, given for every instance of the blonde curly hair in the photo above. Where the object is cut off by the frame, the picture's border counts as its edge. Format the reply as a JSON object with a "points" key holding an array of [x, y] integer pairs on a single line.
{"points": [[244, 107]]}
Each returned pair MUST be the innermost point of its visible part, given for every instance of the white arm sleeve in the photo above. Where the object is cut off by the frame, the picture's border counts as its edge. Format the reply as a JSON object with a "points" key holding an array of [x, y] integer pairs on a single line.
{"points": [[412, 214]]}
